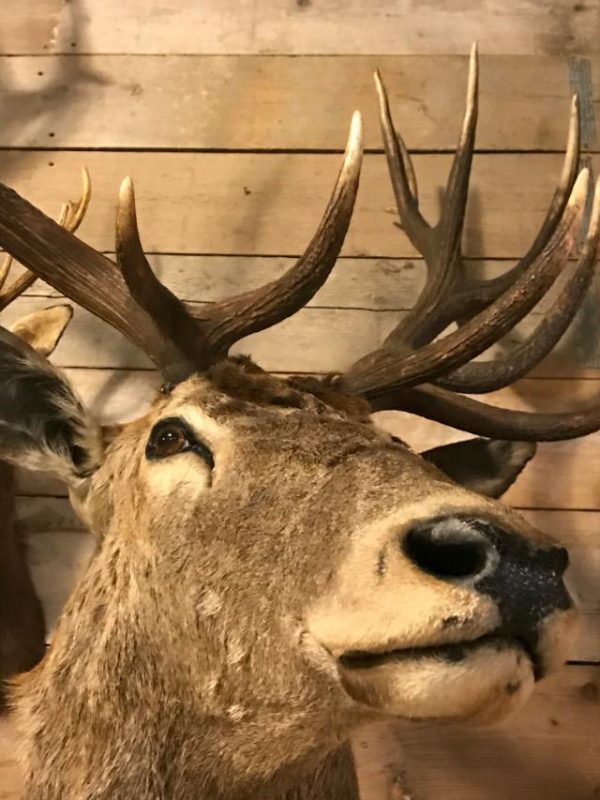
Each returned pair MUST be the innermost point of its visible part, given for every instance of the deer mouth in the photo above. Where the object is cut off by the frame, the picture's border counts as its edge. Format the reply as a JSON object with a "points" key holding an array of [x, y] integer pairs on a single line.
{"points": [[451, 653], [483, 679]]}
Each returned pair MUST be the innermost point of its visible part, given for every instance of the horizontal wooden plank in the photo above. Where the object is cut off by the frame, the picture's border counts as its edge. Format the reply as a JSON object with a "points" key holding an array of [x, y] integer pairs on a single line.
{"points": [[548, 750], [369, 284], [270, 204], [59, 549], [254, 103], [377, 284], [360, 284], [119, 395], [338, 26]]}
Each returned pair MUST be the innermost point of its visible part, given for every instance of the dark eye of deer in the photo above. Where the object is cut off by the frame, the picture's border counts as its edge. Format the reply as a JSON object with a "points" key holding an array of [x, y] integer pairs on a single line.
{"points": [[169, 441], [172, 436]]}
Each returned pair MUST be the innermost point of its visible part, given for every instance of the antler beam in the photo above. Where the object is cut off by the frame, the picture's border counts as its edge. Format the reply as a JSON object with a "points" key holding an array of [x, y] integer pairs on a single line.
{"points": [[180, 340], [71, 216], [396, 375]]}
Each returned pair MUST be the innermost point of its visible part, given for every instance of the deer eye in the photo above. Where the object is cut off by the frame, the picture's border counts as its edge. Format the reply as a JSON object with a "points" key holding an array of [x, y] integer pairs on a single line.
{"points": [[172, 436]]}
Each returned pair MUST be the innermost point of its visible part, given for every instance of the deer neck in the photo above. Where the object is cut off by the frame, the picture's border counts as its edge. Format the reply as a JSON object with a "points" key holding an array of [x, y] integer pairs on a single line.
{"points": [[114, 710], [321, 777], [148, 772]]}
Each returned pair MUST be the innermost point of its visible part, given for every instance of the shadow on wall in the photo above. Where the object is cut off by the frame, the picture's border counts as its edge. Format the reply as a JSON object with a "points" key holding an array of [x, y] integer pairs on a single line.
{"points": [[28, 115]]}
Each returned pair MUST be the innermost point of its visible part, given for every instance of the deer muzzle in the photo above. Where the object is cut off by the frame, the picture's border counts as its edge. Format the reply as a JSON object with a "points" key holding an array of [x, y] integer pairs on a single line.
{"points": [[459, 618], [524, 579]]}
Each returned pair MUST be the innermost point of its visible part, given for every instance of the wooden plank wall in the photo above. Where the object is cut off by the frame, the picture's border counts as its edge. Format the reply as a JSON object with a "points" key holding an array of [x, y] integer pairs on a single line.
{"points": [[231, 117]]}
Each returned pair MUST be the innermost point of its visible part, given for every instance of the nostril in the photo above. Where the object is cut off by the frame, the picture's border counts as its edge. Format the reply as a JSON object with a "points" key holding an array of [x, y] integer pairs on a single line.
{"points": [[448, 548], [560, 559]]}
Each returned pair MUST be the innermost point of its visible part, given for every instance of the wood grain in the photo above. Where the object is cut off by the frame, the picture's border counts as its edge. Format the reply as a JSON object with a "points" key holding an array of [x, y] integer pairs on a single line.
{"points": [[270, 204], [30, 27], [278, 102], [364, 284], [549, 750], [333, 26], [390, 285]]}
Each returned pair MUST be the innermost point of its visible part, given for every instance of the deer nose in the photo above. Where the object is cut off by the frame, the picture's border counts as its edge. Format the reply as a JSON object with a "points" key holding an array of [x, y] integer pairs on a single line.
{"points": [[525, 579]]}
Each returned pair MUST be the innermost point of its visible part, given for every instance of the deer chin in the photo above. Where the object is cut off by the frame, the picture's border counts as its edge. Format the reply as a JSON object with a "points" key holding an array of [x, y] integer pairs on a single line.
{"points": [[483, 680]]}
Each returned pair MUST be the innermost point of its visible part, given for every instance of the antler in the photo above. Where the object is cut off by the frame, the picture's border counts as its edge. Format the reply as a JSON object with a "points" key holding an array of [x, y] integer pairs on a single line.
{"points": [[178, 338], [181, 339], [395, 375], [71, 216]]}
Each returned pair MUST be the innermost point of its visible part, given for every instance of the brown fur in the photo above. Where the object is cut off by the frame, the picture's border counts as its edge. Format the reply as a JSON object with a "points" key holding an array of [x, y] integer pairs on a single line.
{"points": [[196, 657]]}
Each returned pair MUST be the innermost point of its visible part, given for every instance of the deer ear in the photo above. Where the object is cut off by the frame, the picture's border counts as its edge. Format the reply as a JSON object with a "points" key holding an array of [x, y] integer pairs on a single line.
{"points": [[42, 329], [42, 422], [487, 466]]}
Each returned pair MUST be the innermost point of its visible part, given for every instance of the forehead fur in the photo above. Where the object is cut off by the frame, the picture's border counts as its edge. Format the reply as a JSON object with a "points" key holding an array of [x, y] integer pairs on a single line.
{"points": [[238, 386]]}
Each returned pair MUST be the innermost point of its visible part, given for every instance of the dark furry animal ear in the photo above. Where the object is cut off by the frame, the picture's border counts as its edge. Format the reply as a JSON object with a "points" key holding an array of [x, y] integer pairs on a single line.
{"points": [[42, 423], [487, 466]]}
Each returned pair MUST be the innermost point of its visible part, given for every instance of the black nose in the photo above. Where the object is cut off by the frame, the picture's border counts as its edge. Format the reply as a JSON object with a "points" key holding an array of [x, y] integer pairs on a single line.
{"points": [[524, 579]]}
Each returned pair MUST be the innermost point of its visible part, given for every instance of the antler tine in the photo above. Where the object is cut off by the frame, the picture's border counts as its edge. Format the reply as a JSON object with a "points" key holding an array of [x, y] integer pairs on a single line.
{"points": [[207, 333], [482, 419], [450, 227], [83, 275], [449, 294], [5, 269], [72, 214], [383, 370], [402, 173], [488, 376], [229, 321], [168, 312], [475, 293], [17, 287], [440, 246], [71, 217]]}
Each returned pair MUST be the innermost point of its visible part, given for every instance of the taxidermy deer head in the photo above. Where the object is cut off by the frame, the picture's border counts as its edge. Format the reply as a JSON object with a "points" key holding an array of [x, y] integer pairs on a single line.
{"points": [[22, 629], [272, 569]]}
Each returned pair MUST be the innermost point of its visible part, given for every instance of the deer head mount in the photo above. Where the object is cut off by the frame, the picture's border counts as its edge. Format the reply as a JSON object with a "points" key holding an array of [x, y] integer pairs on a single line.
{"points": [[22, 630], [272, 569]]}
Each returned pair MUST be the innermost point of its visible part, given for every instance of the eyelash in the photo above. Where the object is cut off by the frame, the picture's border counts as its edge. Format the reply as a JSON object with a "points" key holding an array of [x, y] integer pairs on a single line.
{"points": [[191, 442]]}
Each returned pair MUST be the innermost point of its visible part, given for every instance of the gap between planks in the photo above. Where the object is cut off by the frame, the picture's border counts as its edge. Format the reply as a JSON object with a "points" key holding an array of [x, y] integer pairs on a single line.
{"points": [[267, 204]]}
